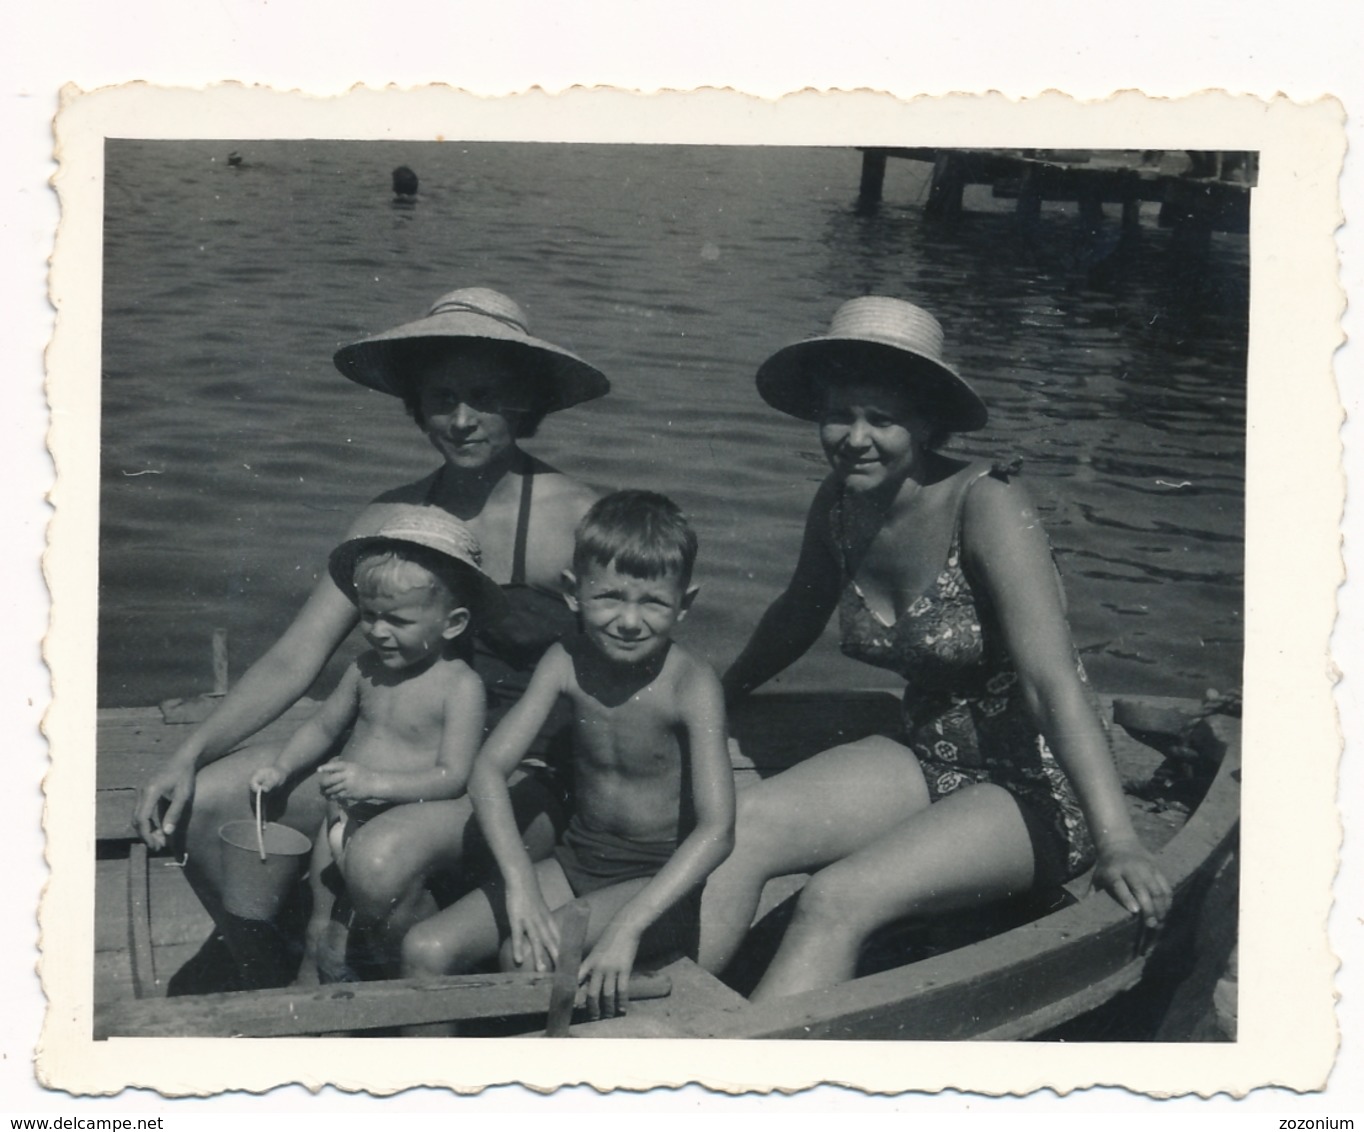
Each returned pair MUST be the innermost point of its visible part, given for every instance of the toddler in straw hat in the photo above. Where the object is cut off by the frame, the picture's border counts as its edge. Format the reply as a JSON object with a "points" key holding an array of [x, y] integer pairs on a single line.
{"points": [[410, 707]]}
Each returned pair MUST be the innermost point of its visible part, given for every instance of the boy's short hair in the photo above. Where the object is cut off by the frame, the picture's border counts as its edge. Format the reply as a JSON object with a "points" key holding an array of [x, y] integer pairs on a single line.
{"points": [[642, 533], [391, 562]]}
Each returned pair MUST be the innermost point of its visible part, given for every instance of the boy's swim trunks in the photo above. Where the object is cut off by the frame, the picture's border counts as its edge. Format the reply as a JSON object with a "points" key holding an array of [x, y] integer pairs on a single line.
{"points": [[593, 860]]}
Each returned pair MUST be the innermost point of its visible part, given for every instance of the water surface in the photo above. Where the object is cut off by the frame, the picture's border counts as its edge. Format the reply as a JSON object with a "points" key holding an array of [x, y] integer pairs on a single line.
{"points": [[234, 455]]}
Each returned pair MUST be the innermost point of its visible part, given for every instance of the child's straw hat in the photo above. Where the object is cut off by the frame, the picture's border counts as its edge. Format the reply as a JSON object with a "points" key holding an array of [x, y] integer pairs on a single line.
{"points": [[435, 529], [475, 314], [892, 339]]}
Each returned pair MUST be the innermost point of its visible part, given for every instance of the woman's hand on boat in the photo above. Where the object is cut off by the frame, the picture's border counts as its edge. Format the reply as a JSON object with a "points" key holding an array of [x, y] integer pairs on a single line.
{"points": [[175, 784], [606, 971], [1129, 874]]}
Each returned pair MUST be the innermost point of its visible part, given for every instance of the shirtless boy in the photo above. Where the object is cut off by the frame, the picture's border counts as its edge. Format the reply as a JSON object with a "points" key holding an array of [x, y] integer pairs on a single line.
{"points": [[413, 706], [653, 805]]}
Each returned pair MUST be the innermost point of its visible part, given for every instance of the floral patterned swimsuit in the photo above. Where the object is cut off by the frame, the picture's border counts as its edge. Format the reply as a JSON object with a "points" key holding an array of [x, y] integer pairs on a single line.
{"points": [[963, 711]]}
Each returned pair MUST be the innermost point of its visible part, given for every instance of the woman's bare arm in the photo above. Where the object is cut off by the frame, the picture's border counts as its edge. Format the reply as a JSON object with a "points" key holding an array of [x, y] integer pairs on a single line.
{"points": [[268, 688], [1006, 549], [794, 621]]}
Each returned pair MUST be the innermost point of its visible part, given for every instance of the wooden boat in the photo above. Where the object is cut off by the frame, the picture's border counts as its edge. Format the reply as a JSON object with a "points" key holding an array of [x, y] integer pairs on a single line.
{"points": [[1008, 974]]}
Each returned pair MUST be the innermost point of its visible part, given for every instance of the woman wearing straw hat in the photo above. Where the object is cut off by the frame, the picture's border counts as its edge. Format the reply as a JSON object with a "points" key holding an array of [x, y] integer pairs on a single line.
{"points": [[1000, 781], [476, 382]]}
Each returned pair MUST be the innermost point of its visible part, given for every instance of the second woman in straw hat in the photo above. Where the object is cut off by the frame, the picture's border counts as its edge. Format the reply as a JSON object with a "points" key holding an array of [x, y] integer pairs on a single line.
{"points": [[999, 782], [477, 382]]}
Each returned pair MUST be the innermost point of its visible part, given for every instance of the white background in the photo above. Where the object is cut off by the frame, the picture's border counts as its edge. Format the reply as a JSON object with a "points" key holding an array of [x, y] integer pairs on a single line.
{"points": [[1304, 48]]}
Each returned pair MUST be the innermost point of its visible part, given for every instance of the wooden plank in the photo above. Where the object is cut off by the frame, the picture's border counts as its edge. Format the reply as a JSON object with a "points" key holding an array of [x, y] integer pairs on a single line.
{"points": [[339, 1007], [572, 938], [114, 976], [114, 815], [177, 916], [1001, 980], [139, 923]]}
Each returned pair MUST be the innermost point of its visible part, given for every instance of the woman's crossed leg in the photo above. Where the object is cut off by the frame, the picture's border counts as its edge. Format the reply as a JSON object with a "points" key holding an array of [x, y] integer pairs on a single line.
{"points": [[818, 812], [970, 848]]}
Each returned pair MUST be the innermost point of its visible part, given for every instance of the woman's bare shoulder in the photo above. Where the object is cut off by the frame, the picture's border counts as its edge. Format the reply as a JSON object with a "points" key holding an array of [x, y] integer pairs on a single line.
{"points": [[560, 495], [990, 486], [554, 485], [998, 514]]}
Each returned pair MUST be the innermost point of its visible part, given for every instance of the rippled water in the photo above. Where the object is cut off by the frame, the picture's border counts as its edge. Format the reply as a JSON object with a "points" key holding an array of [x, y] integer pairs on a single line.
{"points": [[234, 454]]}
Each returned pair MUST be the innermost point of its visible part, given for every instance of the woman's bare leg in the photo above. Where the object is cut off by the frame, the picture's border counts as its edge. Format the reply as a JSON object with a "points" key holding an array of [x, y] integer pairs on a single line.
{"points": [[222, 793], [970, 848], [259, 951], [817, 812], [390, 859]]}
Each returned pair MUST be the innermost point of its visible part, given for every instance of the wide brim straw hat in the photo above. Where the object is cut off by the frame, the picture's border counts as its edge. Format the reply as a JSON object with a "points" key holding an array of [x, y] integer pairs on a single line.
{"points": [[882, 338], [474, 314], [434, 529]]}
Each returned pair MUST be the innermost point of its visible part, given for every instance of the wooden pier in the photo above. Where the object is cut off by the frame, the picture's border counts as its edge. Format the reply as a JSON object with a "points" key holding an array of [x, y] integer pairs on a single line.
{"points": [[1199, 191]]}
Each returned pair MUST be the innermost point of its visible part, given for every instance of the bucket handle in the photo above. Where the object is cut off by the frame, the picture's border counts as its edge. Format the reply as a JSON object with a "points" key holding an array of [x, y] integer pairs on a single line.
{"points": [[260, 827]]}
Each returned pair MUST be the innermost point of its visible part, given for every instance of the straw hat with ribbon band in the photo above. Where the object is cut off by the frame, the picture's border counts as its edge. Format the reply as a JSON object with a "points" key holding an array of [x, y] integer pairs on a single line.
{"points": [[436, 530], [887, 339], [474, 314]]}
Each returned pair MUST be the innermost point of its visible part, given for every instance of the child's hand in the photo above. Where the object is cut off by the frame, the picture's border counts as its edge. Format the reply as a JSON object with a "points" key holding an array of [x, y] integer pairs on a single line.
{"points": [[534, 930], [266, 779], [346, 782], [1129, 874], [607, 972]]}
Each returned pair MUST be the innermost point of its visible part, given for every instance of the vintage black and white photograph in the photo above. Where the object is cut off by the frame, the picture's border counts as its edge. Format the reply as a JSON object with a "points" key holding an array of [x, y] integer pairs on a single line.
{"points": [[702, 591]]}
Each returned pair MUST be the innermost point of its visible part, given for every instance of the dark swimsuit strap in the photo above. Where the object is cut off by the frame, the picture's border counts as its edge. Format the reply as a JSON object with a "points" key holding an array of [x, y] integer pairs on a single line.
{"points": [[518, 576], [527, 470]]}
